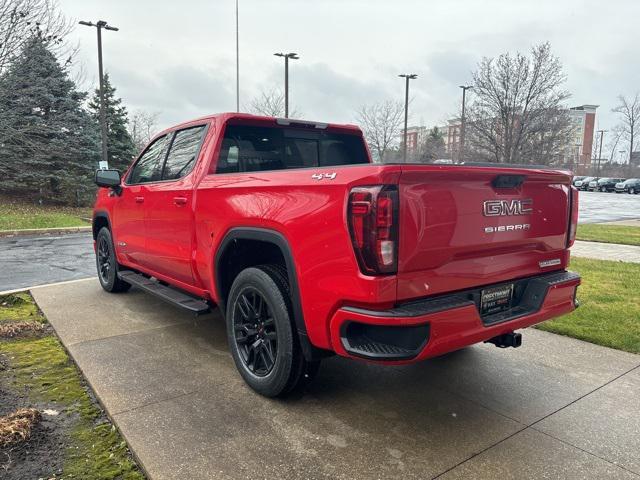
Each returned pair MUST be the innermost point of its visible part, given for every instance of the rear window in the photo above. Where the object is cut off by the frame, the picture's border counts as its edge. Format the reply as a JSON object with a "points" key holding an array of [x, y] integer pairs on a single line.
{"points": [[251, 149]]}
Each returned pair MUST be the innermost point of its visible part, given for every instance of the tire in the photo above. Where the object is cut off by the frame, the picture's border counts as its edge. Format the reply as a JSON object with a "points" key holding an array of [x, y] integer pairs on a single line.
{"points": [[262, 338], [106, 263], [632, 191], [603, 189]]}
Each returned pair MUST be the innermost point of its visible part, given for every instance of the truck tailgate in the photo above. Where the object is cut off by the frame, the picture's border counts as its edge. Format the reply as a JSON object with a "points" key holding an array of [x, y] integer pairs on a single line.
{"points": [[466, 226]]}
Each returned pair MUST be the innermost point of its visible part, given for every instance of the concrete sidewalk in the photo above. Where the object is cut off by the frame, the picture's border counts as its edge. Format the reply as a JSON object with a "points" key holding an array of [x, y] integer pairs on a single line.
{"points": [[554, 408], [606, 251]]}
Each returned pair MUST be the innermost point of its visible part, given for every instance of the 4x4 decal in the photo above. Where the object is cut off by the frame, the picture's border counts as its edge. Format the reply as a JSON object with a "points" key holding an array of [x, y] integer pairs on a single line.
{"points": [[320, 176]]}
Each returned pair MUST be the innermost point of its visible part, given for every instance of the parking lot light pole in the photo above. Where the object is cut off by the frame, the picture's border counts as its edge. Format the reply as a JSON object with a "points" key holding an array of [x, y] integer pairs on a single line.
{"points": [[100, 24], [601, 132], [287, 56], [462, 121], [407, 77]]}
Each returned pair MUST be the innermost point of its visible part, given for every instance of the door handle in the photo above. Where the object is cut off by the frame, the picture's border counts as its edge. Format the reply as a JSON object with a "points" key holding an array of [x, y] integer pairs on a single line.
{"points": [[179, 201], [139, 199]]}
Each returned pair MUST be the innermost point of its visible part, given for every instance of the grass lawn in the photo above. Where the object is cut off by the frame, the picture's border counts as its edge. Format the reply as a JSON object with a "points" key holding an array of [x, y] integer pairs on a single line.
{"points": [[595, 232], [609, 312], [74, 438], [15, 215]]}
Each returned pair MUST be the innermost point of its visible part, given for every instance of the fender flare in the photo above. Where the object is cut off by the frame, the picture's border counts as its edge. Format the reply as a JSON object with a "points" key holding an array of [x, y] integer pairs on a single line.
{"points": [[100, 214]]}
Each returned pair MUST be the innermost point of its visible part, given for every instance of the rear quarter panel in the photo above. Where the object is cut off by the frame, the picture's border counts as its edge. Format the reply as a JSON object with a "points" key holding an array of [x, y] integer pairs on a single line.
{"points": [[311, 215]]}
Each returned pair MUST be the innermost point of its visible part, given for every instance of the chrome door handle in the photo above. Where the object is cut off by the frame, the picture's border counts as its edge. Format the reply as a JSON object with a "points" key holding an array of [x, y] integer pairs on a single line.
{"points": [[139, 199]]}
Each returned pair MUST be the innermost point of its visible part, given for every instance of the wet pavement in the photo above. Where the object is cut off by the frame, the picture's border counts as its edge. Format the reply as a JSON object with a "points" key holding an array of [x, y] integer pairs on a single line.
{"points": [[597, 207], [27, 261]]}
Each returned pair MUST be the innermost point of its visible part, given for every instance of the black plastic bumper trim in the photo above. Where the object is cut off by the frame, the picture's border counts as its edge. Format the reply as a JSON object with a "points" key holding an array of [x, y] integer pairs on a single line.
{"points": [[530, 293], [384, 342]]}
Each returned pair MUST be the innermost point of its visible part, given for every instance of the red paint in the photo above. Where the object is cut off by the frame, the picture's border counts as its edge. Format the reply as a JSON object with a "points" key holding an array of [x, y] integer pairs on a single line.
{"points": [[174, 234]]}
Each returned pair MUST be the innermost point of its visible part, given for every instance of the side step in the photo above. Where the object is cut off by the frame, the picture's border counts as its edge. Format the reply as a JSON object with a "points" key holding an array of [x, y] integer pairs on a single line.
{"points": [[168, 294]]}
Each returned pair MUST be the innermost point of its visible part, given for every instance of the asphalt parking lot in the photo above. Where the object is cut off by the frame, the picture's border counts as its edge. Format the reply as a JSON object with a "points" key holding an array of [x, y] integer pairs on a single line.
{"points": [[554, 408], [27, 261], [596, 207]]}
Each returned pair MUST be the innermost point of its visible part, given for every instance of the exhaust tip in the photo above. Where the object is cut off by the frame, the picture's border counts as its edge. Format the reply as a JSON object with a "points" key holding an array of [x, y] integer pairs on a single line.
{"points": [[505, 340]]}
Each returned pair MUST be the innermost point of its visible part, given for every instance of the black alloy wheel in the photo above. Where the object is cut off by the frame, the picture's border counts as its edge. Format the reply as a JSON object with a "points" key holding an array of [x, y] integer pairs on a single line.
{"points": [[255, 332], [107, 264], [261, 333], [105, 259]]}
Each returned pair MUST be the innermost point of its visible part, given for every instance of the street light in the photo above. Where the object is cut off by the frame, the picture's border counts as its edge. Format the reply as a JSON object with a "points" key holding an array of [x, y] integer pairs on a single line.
{"points": [[407, 77], [462, 121], [621, 152], [100, 24], [601, 132], [237, 61], [287, 56]]}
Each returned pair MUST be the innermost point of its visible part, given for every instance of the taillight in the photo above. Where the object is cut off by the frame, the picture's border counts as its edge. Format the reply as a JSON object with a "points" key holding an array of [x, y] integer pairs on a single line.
{"points": [[373, 225], [573, 220]]}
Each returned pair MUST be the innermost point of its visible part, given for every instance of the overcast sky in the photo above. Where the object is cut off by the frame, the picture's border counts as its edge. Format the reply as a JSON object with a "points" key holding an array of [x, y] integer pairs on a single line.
{"points": [[178, 58]]}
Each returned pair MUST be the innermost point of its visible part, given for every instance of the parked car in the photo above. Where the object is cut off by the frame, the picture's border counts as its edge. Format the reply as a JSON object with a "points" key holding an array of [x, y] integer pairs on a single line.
{"points": [[309, 249], [584, 183], [577, 179], [632, 185], [604, 184]]}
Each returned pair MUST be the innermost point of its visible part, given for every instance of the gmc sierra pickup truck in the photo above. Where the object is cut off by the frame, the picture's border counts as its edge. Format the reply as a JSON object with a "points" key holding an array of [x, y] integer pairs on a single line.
{"points": [[308, 248]]}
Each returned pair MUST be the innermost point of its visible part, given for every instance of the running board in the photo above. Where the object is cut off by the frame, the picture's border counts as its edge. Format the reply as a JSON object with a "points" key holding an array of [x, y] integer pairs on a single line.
{"points": [[168, 294]]}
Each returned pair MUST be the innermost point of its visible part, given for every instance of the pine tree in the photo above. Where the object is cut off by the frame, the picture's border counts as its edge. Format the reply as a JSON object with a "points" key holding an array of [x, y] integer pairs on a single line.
{"points": [[49, 145], [433, 147], [120, 146]]}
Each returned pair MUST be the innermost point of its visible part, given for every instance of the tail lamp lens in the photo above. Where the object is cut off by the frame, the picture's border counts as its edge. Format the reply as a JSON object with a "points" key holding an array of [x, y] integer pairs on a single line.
{"points": [[373, 225], [573, 220]]}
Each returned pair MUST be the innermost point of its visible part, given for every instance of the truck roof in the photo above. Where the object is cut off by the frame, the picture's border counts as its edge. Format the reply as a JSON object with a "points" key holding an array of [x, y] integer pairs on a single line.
{"points": [[226, 116]]}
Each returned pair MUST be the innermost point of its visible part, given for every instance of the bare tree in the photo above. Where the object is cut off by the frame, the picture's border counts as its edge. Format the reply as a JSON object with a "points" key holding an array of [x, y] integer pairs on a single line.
{"points": [[271, 104], [142, 127], [381, 123], [22, 19], [517, 115], [629, 110]]}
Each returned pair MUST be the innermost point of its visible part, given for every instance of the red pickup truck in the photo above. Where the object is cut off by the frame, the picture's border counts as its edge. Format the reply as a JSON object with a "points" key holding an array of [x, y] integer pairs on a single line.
{"points": [[308, 248]]}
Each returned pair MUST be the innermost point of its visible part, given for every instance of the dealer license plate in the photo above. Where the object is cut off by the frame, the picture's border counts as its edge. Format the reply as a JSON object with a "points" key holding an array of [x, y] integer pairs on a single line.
{"points": [[496, 299]]}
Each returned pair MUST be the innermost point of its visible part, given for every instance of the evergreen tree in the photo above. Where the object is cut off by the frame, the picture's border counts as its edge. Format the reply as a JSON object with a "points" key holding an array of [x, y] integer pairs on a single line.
{"points": [[120, 146], [49, 145], [433, 147]]}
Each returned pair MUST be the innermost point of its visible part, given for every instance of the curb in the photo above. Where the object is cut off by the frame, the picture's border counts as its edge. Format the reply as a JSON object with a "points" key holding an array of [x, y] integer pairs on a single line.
{"points": [[43, 231]]}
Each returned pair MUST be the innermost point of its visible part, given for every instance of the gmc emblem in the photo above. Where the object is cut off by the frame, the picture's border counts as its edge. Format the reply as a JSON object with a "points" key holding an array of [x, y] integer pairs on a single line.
{"points": [[499, 208]]}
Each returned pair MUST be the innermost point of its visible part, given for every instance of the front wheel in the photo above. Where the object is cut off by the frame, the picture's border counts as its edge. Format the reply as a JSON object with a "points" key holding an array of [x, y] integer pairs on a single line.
{"points": [[261, 335], [632, 191], [107, 264], [603, 189]]}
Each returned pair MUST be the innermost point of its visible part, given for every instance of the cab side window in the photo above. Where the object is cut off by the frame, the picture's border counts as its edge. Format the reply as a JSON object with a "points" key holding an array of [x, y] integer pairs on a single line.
{"points": [[148, 168], [183, 153]]}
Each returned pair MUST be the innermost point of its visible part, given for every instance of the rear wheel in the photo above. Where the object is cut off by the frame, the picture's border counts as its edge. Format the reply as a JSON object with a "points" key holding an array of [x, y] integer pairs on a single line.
{"points": [[261, 335], [107, 264]]}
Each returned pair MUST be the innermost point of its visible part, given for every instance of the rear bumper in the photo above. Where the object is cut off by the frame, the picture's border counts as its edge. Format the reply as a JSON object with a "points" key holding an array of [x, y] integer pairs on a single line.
{"points": [[422, 329]]}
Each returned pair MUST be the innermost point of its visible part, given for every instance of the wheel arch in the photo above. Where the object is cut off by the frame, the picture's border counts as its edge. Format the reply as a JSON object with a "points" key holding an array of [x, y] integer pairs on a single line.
{"points": [[271, 242], [100, 220]]}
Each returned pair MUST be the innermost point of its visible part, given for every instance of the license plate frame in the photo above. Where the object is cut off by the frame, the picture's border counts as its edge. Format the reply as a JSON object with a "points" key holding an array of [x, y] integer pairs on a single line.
{"points": [[496, 299]]}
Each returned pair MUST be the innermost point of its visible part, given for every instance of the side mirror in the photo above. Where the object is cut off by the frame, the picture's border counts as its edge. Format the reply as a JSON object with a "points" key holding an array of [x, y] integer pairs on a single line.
{"points": [[108, 179]]}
